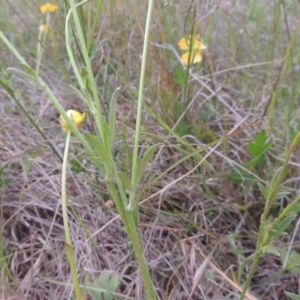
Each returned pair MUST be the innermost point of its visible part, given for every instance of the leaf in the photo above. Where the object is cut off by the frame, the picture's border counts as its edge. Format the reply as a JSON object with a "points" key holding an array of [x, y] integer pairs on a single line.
{"points": [[274, 181], [125, 180], [295, 209], [95, 47], [179, 76], [1, 171], [271, 249], [30, 71], [292, 262], [112, 118], [4, 182], [141, 164], [239, 176], [98, 147], [258, 148], [76, 167], [292, 296], [104, 287], [263, 190], [281, 194], [285, 223], [282, 226], [206, 114]]}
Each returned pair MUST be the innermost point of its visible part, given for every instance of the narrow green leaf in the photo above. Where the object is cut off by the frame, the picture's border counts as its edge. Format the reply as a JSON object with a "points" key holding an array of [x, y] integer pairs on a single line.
{"points": [[4, 182], [271, 249], [1, 171], [30, 71], [285, 223], [125, 180], [292, 296], [257, 147], [142, 163], [263, 190], [282, 226], [103, 287], [112, 118], [98, 147], [292, 262], [281, 194], [274, 180]]}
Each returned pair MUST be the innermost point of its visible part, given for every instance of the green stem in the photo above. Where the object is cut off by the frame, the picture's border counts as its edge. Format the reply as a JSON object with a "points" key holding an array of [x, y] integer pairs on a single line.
{"points": [[69, 247], [84, 50], [134, 174], [149, 289], [264, 234], [131, 229]]}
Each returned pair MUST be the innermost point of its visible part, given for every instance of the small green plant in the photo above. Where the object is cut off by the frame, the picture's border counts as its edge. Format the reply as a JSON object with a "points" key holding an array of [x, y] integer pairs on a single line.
{"points": [[104, 288], [3, 181], [270, 230], [99, 150]]}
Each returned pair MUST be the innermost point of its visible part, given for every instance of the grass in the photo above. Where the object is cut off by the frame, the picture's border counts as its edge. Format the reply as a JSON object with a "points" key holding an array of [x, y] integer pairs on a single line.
{"points": [[217, 213]]}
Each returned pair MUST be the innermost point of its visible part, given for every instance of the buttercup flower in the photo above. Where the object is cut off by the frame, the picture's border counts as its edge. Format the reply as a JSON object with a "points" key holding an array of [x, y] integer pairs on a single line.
{"points": [[48, 8], [75, 116], [193, 47]]}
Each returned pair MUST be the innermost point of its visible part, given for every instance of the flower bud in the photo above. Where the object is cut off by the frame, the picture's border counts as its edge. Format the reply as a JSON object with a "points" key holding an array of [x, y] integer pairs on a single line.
{"points": [[75, 116]]}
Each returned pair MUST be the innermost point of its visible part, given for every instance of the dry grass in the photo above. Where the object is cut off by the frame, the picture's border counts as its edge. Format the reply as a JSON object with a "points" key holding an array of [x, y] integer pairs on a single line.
{"points": [[195, 223]]}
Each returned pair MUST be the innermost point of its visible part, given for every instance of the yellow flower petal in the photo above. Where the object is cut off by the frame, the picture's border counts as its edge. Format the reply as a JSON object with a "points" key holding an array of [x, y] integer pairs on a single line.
{"points": [[183, 44], [75, 116], [195, 57], [195, 48], [48, 7], [185, 58]]}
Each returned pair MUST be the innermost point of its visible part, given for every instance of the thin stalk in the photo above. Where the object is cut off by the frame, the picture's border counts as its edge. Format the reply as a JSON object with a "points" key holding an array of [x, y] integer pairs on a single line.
{"points": [[134, 174], [128, 220], [98, 117], [264, 235], [186, 83], [41, 44], [69, 247], [149, 289]]}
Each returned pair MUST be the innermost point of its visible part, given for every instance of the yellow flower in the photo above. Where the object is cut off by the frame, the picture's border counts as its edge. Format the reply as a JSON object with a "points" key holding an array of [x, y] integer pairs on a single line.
{"points": [[75, 116], [194, 47], [48, 8], [44, 28]]}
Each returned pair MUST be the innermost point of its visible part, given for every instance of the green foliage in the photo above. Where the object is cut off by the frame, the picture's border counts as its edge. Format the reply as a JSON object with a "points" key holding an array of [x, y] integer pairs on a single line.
{"points": [[98, 147], [76, 167], [292, 262], [3, 181], [240, 175], [206, 114], [258, 149], [271, 250], [104, 288], [179, 76], [292, 296], [142, 164]]}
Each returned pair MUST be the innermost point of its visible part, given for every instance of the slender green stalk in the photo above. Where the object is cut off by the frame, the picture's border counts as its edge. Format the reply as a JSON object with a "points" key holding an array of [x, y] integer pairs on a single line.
{"points": [[132, 204], [41, 43], [98, 117], [65, 219], [186, 79], [128, 220]]}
